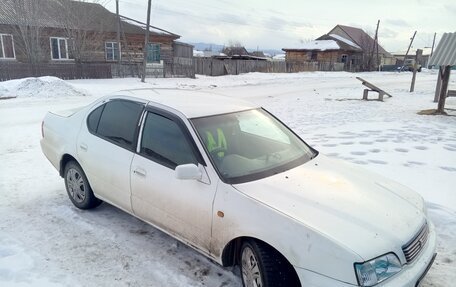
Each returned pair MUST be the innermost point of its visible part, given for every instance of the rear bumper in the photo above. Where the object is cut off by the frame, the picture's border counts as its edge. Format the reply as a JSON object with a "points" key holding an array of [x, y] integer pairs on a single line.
{"points": [[410, 276]]}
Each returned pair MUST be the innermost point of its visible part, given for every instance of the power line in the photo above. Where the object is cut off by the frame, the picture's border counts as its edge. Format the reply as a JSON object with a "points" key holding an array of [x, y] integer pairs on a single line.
{"points": [[206, 19]]}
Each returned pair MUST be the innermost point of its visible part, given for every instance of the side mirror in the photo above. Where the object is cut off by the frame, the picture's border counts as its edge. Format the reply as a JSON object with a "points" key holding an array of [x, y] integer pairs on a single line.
{"points": [[188, 171]]}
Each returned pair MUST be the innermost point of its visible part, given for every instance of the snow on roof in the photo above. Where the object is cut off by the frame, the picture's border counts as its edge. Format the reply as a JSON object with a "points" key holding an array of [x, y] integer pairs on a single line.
{"points": [[197, 53], [321, 45], [280, 57], [346, 41]]}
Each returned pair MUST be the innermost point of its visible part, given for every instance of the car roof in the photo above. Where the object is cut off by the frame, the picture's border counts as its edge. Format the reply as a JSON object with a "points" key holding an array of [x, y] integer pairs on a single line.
{"points": [[191, 103]]}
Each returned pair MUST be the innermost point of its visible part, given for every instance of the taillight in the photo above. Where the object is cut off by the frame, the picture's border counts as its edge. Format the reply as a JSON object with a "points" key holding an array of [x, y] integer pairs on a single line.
{"points": [[42, 129]]}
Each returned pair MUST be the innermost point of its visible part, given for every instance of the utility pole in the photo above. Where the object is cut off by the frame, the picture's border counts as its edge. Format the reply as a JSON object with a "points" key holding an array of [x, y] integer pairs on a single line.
{"points": [[146, 41], [376, 44], [443, 89], [433, 43], [371, 57], [118, 40], [419, 53], [438, 87], [406, 54]]}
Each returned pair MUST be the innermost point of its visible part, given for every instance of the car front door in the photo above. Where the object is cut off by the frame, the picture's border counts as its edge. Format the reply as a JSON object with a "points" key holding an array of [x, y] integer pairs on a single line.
{"points": [[181, 207]]}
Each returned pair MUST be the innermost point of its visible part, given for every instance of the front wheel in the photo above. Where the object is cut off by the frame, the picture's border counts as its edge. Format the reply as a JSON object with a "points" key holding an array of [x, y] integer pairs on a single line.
{"points": [[78, 188], [262, 266]]}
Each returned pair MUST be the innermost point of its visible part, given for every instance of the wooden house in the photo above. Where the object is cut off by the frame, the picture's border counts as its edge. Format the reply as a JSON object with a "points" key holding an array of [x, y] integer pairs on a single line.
{"points": [[360, 38], [64, 31], [331, 50], [343, 47]]}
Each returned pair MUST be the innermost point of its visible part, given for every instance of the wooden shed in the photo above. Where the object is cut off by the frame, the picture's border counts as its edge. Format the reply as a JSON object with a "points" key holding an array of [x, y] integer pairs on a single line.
{"points": [[330, 50]]}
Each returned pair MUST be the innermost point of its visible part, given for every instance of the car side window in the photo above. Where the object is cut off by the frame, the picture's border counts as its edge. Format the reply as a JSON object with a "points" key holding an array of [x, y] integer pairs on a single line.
{"points": [[94, 118], [118, 122], [164, 142]]}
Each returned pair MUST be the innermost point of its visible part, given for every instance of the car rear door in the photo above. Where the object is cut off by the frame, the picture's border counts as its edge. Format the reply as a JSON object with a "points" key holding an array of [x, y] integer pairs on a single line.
{"points": [[180, 207], [106, 146]]}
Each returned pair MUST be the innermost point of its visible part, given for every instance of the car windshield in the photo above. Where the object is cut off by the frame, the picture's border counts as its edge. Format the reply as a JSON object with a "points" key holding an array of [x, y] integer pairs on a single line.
{"points": [[250, 145]]}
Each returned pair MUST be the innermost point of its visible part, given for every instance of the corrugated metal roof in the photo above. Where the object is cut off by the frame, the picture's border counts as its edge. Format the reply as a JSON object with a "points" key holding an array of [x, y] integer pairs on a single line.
{"points": [[445, 53]]}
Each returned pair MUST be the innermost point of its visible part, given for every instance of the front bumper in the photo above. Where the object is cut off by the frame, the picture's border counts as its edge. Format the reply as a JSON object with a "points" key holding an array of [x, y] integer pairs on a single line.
{"points": [[410, 276]]}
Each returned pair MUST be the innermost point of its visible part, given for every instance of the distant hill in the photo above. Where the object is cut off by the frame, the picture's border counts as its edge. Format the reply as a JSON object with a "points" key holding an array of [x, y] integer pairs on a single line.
{"points": [[218, 48]]}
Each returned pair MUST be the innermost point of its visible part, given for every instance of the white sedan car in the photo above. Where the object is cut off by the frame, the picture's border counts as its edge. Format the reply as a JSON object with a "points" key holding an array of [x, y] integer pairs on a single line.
{"points": [[230, 180]]}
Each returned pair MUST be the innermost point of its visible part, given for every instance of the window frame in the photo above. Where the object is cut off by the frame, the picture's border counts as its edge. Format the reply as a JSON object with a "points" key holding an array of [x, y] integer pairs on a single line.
{"points": [[151, 55], [179, 122], [2, 46], [263, 174], [342, 57], [134, 144], [58, 46], [119, 49], [314, 55]]}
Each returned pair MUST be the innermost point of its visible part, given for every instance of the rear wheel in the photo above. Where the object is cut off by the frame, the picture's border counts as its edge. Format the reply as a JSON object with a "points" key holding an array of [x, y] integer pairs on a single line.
{"points": [[78, 188], [262, 266]]}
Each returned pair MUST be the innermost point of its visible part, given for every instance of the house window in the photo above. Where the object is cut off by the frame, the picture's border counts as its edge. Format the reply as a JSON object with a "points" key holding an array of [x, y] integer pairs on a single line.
{"points": [[7, 47], [153, 53], [59, 48], [314, 56], [112, 51], [343, 58]]}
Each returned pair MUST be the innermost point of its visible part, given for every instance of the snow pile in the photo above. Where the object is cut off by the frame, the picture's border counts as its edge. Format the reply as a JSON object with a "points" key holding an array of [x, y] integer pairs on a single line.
{"points": [[43, 87], [3, 92]]}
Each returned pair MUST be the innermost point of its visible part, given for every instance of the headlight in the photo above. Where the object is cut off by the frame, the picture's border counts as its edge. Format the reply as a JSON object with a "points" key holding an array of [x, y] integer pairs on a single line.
{"points": [[372, 272]]}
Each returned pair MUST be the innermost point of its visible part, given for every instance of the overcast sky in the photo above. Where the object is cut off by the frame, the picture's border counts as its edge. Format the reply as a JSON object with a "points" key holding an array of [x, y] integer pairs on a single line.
{"points": [[287, 23]]}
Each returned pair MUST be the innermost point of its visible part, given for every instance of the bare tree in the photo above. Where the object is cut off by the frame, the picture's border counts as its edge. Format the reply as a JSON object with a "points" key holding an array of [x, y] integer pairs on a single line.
{"points": [[29, 18], [367, 45], [234, 43], [83, 28]]}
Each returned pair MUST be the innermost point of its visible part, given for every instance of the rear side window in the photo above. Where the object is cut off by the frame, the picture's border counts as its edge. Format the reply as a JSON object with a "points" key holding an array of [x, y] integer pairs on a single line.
{"points": [[94, 118], [118, 122], [164, 142]]}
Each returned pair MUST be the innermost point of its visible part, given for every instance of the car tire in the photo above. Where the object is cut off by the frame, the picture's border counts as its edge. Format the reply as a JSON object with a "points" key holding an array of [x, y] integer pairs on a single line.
{"points": [[78, 187], [262, 266]]}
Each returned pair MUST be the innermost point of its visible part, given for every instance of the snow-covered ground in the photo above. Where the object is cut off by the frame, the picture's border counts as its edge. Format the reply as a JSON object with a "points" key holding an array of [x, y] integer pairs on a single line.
{"points": [[45, 241]]}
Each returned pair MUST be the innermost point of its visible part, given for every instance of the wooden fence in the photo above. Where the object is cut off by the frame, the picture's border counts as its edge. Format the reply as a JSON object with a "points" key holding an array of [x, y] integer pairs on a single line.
{"points": [[67, 71], [295, 67], [219, 67], [71, 71], [180, 67]]}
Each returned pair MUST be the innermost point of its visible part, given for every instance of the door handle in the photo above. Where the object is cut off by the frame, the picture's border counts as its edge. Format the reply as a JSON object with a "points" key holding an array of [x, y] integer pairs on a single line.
{"points": [[140, 172], [83, 146]]}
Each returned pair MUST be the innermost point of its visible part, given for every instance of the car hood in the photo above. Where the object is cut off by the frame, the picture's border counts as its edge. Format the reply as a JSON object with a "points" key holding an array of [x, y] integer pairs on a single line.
{"points": [[354, 208]]}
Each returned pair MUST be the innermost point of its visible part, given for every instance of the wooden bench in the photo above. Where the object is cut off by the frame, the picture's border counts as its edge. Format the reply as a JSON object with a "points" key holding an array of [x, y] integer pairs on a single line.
{"points": [[451, 93], [372, 88]]}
